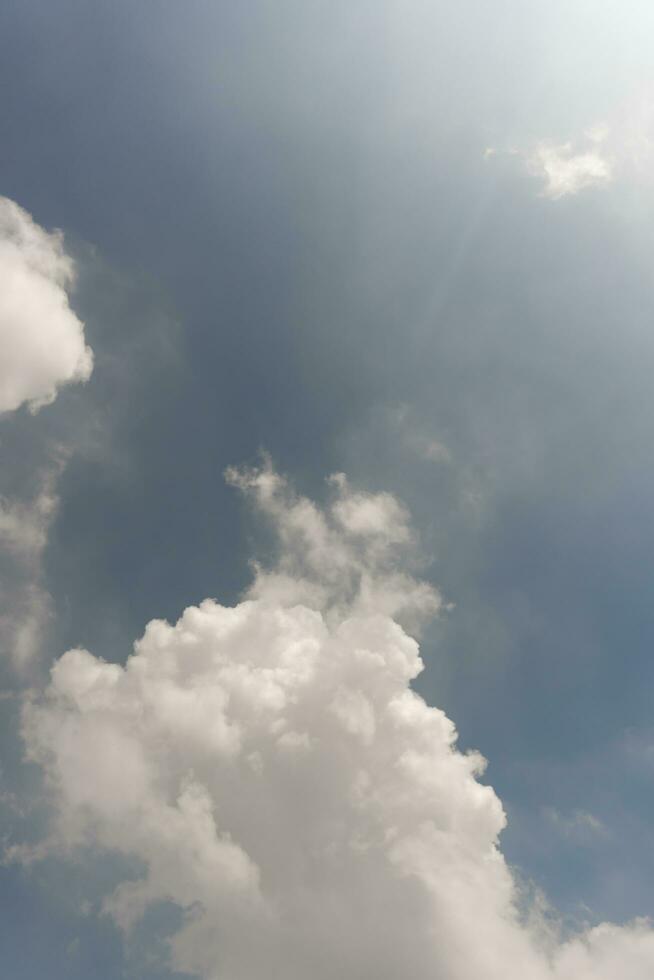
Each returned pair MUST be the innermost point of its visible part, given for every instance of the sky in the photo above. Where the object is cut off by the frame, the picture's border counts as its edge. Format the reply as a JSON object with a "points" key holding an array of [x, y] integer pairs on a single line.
{"points": [[327, 462]]}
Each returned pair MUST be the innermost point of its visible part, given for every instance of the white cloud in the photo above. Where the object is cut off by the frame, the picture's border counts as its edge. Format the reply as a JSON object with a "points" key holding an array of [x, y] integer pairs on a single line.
{"points": [[343, 559], [271, 769], [617, 149], [566, 171], [609, 952], [41, 339]]}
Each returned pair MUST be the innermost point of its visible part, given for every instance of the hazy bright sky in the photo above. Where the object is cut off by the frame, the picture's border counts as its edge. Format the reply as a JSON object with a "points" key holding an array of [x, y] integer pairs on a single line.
{"points": [[405, 241]]}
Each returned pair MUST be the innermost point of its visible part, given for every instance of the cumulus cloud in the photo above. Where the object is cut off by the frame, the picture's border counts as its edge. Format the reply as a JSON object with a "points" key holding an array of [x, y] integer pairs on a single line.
{"points": [[270, 771], [348, 558], [41, 339]]}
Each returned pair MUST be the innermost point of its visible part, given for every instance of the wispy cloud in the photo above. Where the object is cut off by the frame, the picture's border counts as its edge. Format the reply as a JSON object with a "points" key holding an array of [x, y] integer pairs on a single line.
{"points": [[25, 605], [580, 826]]}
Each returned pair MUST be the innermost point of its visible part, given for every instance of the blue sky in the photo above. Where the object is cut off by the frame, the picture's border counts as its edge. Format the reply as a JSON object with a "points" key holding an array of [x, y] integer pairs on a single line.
{"points": [[410, 242]]}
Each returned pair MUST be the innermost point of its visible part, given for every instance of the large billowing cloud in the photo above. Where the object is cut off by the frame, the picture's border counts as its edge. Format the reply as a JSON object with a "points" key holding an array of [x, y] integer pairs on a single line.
{"points": [[41, 339], [270, 771]]}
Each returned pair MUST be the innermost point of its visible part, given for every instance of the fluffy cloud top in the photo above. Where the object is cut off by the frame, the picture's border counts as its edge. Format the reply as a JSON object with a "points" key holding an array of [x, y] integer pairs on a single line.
{"points": [[41, 339], [273, 774]]}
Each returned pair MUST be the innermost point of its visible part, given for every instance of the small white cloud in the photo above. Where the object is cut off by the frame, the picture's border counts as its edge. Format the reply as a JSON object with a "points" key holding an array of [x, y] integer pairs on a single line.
{"points": [[41, 339], [567, 172], [616, 149]]}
